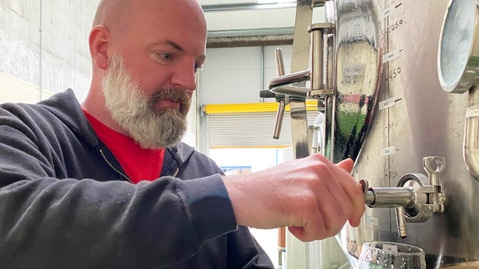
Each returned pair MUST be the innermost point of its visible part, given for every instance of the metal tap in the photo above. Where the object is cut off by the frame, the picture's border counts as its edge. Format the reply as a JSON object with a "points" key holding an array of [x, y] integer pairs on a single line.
{"points": [[413, 201], [290, 88]]}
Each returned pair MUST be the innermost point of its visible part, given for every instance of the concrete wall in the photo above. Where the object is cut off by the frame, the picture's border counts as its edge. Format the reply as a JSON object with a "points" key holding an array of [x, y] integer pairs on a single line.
{"points": [[43, 45]]}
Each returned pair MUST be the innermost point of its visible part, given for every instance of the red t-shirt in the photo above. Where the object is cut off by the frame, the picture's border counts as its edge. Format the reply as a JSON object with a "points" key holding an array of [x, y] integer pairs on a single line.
{"points": [[139, 164]]}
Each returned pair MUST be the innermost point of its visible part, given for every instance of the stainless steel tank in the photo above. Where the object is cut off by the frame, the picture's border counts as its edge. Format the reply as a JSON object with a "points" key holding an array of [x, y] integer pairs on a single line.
{"points": [[384, 106], [415, 118]]}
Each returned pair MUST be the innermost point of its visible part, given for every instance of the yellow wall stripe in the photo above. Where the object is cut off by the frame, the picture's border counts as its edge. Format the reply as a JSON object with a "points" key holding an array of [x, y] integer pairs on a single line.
{"points": [[214, 109]]}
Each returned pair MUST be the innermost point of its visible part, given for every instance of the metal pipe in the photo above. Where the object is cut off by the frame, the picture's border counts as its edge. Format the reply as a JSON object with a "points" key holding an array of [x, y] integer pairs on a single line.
{"points": [[387, 197], [301, 76], [248, 6], [227, 40]]}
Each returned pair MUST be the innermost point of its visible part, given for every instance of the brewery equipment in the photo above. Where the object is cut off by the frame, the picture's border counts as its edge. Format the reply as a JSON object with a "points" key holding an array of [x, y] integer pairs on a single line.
{"points": [[396, 84]]}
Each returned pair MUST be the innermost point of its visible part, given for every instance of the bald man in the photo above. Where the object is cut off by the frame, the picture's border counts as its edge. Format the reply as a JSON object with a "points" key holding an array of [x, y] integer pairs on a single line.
{"points": [[109, 184]]}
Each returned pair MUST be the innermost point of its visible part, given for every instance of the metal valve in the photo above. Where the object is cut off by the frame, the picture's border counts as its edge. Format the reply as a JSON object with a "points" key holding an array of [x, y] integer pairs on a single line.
{"points": [[414, 202], [290, 88]]}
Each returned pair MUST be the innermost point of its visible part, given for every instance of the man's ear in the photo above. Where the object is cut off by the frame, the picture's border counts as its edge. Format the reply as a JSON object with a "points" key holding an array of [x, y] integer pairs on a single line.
{"points": [[99, 41]]}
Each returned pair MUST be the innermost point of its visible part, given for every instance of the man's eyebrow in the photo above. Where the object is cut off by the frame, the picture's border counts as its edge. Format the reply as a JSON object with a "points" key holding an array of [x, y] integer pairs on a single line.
{"points": [[175, 45]]}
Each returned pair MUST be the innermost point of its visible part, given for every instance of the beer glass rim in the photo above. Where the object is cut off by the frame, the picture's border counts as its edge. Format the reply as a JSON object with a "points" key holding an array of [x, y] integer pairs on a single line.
{"points": [[411, 248]]}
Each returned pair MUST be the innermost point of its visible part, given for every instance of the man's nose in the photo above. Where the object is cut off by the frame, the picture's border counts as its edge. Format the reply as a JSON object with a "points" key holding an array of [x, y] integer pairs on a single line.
{"points": [[184, 76]]}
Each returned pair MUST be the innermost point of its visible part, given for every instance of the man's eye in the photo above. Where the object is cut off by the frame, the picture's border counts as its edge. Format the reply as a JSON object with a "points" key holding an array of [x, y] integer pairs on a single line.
{"points": [[198, 67], [168, 57]]}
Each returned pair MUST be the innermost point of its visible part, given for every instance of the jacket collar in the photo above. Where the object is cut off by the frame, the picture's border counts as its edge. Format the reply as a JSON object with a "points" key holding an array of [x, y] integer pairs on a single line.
{"points": [[66, 107]]}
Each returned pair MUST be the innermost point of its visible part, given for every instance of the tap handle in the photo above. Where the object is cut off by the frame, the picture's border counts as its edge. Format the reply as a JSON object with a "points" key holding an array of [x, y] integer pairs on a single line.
{"points": [[278, 53], [279, 118], [434, 165], [369, 197], [266, 94], [281, 99], [434, 171], [280, 63]]}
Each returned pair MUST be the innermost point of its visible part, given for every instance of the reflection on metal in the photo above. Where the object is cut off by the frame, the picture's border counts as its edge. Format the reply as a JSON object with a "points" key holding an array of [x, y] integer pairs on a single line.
{"points": [[351, 53], [350, 103], [284, 80], [358, 70], [322, 53], [471, 134]]}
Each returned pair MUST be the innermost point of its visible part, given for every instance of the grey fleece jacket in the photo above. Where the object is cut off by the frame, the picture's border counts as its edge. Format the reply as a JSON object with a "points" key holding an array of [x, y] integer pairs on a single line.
{"points": [[65, 201]]}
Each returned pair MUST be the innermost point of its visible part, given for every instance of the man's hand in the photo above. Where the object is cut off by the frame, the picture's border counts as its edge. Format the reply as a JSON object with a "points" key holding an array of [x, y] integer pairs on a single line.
{"points": [[311, 196]]}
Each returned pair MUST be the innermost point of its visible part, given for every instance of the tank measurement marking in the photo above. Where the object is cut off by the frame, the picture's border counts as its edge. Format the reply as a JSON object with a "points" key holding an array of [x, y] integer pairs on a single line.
{"points": [[388, 103], [390, 10], [391, 55], [387, 151], [393, 73], [391, 28]]}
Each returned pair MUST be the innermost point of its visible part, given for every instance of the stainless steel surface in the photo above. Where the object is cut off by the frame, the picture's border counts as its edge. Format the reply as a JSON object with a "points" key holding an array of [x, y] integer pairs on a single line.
{"points": [[413, 198], [299, 122], [300, 134], [389, 197], [468, 80], [389, 112], [320, 33], [416, 118], [295, 77], [299, 62], [471, 139], [357, 72]]}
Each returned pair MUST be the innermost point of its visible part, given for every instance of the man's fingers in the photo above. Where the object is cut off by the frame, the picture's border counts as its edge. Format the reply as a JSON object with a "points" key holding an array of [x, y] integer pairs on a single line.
{"points": [[347, 165], [355, 193]]}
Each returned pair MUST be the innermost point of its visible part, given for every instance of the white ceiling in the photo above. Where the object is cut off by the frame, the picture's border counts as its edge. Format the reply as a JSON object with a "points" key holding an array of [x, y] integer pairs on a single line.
{"points": [[247, 18]]}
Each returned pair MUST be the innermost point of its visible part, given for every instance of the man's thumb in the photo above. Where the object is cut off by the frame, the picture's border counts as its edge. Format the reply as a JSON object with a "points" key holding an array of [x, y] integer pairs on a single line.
{"points": [[346, 164]]}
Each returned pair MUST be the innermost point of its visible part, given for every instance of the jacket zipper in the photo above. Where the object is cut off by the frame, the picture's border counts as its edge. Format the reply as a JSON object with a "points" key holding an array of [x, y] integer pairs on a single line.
{"points": [[112, 167], [176, 172]]}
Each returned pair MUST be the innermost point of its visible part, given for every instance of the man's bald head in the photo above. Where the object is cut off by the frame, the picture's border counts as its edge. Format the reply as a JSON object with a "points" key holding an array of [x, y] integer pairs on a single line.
{"points": [[111, 13], [117, 14]]}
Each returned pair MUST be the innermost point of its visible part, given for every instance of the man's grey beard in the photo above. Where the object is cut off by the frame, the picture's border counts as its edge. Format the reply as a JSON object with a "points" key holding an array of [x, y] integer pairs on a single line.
{"points": [[136, 113]]}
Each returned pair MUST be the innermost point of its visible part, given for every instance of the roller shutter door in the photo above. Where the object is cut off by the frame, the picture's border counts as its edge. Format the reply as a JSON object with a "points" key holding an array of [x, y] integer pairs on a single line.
{"points": [[232, 130]]}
